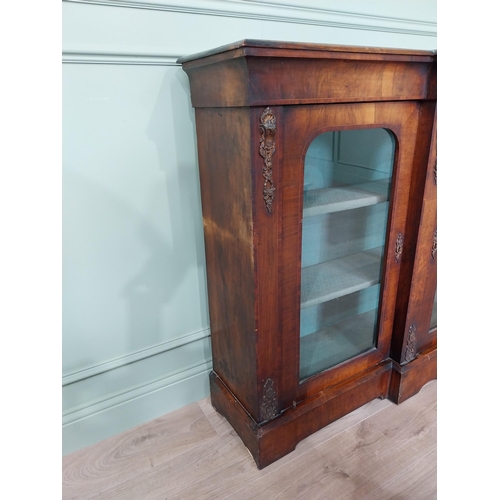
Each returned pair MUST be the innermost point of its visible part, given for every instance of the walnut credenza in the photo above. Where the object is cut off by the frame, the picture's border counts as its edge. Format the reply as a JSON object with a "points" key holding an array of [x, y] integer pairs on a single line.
{"points": [[318, 180]]}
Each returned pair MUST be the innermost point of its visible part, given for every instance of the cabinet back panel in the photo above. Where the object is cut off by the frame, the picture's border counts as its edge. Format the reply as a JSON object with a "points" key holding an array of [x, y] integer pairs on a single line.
{"points": [[331, 236]]}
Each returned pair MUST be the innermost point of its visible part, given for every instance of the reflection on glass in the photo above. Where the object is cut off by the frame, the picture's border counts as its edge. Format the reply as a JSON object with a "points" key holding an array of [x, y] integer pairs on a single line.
{"points": [[433, 324], [347, 181]]}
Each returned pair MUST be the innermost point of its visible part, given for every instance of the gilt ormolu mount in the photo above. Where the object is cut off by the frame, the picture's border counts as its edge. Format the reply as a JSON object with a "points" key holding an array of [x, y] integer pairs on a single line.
{"points": [[259, 105]]}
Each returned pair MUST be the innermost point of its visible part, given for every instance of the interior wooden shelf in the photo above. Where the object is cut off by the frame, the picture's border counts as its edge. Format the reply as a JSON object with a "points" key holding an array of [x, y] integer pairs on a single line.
{"points": [[346, 197], [337, 343], [335, 278]]}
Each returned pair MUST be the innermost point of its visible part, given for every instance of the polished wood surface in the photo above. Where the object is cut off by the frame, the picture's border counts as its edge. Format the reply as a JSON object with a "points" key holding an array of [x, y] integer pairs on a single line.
{"points": [[418, 283], [326, 50], [323, 81], [378, 451], [408, 379], [274, 73], [268, 443], [259, 105], [224, 153]]}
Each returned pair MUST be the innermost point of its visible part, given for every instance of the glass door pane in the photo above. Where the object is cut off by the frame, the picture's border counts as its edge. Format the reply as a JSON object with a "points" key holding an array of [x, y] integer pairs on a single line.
{"points": [[433, 324], [347, 185]]}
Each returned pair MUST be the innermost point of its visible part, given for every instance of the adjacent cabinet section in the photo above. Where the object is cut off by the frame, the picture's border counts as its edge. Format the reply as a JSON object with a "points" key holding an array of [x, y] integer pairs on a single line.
{"points": [[318, 180]]}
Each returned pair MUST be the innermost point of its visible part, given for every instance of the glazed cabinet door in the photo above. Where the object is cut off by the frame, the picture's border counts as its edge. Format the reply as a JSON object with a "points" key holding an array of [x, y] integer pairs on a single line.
{"points": [[416, 328], [345, 184], [414, 339]]}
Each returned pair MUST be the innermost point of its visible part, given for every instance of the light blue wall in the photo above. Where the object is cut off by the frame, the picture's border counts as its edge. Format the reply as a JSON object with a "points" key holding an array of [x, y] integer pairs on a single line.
{"points": [[136, 337]]}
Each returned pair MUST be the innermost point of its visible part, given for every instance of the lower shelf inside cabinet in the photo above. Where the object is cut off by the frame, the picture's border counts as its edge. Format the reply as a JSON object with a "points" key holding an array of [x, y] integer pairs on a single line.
{"points": [[337, 343], [335, 278]]}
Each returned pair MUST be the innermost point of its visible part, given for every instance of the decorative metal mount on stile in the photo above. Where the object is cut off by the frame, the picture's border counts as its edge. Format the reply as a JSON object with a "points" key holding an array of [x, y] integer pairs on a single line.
{"points": [[269, 403], [399, 247], [411, 341], [434, 247], [267, 130]]}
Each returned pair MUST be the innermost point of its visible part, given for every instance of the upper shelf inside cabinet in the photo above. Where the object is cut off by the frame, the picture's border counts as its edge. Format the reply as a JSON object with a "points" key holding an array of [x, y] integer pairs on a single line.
{"points": [[337, 199]]}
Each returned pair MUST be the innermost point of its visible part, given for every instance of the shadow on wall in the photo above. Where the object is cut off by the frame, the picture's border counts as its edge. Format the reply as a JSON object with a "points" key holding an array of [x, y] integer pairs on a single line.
{"points": [[90, 277], [160, 276]]}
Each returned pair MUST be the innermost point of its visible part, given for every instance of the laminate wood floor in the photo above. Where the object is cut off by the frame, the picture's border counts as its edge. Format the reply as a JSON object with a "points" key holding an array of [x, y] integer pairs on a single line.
{"points": [[381, 451]]}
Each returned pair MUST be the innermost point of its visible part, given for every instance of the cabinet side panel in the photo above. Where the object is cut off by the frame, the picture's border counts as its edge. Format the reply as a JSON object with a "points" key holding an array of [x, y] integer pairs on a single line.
{"points": [[226, 188]]}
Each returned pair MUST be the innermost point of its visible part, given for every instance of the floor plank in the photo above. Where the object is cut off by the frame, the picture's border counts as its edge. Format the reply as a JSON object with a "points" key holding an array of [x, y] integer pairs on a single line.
{"points": [[417, 482], [220, 467], [358, 461], [121, 457], [380, 451]]}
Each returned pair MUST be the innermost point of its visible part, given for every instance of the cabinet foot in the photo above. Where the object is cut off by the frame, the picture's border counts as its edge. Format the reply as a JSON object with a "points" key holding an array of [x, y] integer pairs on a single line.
{"points": [[407, 380], [278, 437]]}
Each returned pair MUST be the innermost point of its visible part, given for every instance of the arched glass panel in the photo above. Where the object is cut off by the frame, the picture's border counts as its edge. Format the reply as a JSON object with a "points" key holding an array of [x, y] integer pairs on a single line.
{"points": [[433, 324], [347, 185]]}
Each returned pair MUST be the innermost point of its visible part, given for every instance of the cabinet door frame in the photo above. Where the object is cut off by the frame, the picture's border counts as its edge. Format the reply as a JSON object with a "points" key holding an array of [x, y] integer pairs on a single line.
{"points": [[415, 336], [301, 125]]}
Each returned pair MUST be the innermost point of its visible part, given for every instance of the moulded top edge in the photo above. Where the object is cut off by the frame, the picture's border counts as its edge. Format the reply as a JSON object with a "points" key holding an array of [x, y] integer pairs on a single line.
{"points": [[299, 46]]}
